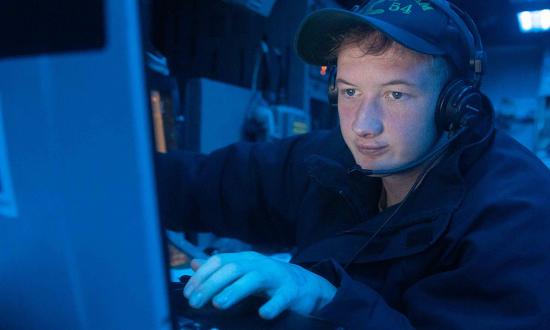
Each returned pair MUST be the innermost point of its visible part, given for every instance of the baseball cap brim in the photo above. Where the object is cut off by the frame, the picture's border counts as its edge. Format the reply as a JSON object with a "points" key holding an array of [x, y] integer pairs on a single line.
{"points": [[315, 37]]}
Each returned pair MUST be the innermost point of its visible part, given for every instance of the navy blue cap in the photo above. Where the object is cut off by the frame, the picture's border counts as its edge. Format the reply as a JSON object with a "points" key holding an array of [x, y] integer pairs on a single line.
{"points": [[416, 24]]}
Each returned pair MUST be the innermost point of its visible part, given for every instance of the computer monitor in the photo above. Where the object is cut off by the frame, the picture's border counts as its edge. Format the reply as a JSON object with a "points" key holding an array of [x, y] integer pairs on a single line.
{"points": [[80, 241], [81, 244]]}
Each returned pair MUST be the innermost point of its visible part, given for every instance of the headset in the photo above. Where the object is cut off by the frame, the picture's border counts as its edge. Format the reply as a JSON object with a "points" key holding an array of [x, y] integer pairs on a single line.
{"points": [[460, 99]]}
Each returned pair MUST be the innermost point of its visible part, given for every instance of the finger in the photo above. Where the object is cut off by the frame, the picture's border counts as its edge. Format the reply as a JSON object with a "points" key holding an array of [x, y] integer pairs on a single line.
{"points": [[275, 306], [243, 287], [214, 284], [196, 263], [202, 273]]}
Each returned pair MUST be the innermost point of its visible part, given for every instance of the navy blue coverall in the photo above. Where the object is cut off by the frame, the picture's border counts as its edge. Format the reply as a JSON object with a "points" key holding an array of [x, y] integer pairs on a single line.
{"points": [[469, 249]]}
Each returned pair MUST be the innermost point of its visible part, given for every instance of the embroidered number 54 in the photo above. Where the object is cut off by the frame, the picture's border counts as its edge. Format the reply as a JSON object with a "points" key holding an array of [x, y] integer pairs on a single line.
{"points": [[396, 6]]}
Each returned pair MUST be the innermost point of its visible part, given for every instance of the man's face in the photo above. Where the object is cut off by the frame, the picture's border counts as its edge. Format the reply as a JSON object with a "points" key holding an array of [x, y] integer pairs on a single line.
{"points": [[386, 105]]}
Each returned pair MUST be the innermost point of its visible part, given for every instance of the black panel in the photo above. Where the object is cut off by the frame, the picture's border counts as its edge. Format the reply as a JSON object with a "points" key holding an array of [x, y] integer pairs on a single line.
{"points": [[30, 27]]}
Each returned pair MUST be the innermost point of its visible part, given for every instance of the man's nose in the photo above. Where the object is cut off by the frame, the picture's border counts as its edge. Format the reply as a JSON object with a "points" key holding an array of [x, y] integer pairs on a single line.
{"points": [[367, 122]]}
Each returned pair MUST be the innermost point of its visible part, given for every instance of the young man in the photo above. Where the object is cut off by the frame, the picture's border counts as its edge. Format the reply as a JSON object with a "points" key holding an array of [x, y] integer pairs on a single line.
{"points": [[456, 238]]}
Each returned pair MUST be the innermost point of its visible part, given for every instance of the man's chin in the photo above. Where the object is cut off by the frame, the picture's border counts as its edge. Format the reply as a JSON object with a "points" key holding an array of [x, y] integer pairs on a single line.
{"points": [[379, 166], [374, 166]]}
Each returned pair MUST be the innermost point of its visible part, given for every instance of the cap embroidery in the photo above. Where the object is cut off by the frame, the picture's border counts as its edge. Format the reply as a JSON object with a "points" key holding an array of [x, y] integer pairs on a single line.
{"points": [[395, 6], [370, 10], [424, 5]]}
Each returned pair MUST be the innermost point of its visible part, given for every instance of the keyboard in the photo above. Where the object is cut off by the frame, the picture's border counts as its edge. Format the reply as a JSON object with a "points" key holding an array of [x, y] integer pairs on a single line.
{"points": [[241, 316]]}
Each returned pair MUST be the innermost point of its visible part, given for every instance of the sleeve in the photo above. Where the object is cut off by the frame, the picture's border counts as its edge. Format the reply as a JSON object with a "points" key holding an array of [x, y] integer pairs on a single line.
{"points": [[247, 191], [495, 277], [356, 305]]}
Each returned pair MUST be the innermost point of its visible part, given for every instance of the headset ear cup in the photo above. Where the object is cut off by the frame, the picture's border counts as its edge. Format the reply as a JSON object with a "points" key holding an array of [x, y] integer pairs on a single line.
{"points": [[332, 91], [457, 99]]}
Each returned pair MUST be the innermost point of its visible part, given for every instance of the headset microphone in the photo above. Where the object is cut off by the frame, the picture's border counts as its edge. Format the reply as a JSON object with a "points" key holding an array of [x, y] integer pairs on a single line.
{"points": [[436, 152]]}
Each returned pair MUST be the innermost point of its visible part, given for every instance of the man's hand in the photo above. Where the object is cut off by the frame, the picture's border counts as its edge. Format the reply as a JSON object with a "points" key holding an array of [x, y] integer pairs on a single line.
{"points": [[228, 278]]}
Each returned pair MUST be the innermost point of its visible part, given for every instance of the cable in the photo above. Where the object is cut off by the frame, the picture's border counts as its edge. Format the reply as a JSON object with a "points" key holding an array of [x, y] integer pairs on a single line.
{"points": [[413, 188]]}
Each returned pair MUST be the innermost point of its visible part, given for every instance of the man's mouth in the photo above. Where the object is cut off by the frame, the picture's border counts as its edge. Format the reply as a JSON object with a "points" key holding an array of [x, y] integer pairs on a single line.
{"points": [[371, 150]]}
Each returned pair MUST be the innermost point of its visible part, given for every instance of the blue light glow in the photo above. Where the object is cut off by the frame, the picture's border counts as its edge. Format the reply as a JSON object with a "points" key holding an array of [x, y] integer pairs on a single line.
{"points": [[534, 21]]}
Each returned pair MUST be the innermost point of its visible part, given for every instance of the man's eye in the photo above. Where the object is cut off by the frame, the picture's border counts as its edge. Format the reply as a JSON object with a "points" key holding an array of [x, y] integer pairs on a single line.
{"points": [[349, 91], [396, 95]]}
